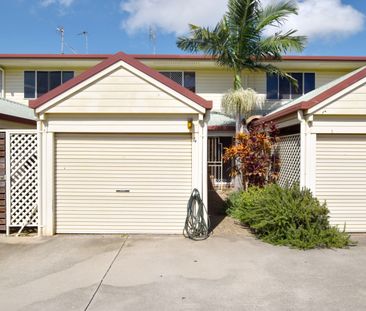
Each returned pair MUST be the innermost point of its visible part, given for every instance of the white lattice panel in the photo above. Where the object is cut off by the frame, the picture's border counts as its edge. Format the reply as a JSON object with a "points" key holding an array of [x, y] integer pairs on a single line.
{"points": [[23, 179], [289, 154]]}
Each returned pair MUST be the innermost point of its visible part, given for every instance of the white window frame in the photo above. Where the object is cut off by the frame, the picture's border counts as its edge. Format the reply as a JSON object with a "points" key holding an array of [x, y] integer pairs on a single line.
{"points": [[183, 73], [35, 80]]}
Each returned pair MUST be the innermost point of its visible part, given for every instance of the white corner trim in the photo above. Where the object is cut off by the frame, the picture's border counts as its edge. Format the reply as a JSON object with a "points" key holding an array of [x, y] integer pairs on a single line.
{"points": [[7, 182], [300, 117], [307, 153]]}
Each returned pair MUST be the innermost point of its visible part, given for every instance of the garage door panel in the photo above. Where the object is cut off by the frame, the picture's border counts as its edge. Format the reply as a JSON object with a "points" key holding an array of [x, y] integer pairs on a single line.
{"points": [[341, 179], [138, 173], [156, 169]]}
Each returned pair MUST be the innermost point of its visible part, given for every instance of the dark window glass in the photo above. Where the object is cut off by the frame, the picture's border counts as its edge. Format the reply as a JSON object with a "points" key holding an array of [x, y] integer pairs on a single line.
{"points": [[284, 89], [272, 86], [281, 88], [42, 82], [165, 73], [190, 81], [55, 79], [29, 84], [297, 91], [177, 77], [46, 81], [67, 75], [186, 79], [309, 82]]}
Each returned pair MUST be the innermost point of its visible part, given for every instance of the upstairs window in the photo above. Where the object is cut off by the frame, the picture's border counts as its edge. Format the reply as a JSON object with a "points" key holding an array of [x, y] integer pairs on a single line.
{"points": [[37, 83], [184, 78], [281, 88]]}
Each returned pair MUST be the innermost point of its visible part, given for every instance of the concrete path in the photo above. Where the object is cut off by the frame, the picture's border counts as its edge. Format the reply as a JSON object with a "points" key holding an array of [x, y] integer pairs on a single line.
{"points": [[225, 272]]}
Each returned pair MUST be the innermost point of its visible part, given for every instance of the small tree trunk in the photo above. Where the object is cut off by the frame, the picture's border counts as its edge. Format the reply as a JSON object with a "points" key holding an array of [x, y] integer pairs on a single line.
{"points": [[238, 179], [237, 81], [237, 123]]}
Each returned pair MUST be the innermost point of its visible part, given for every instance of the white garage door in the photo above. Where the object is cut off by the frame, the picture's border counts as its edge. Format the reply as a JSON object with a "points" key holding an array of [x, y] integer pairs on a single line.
{"points": [[114, 183], [341, 179]]}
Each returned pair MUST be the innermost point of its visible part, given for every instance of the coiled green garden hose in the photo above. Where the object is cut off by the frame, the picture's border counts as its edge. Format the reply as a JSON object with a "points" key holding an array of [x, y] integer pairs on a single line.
{"points": [[197, 225]]}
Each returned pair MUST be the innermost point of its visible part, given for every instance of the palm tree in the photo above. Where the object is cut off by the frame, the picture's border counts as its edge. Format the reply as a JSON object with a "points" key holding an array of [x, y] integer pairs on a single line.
{"points": [[238, 42]]}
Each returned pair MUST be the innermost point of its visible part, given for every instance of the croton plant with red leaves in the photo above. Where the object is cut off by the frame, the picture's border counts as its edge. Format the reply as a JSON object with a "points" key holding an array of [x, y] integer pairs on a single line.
{"points": [[254, 156]]}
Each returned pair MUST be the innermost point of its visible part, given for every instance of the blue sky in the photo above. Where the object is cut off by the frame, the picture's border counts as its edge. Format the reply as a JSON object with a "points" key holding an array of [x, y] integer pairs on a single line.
{"points": [[334, 27]]}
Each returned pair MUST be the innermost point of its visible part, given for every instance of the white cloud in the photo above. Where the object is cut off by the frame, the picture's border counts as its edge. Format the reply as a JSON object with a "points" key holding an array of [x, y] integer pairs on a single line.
{"points": [[63, 3], [46, 3], [171, 16], [316, 19], [325, 19]]}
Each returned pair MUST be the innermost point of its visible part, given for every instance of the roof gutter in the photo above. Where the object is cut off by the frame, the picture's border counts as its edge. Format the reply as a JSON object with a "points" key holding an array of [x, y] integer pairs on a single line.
{"points": [[17, 119], [303, 106], [181, 57]]}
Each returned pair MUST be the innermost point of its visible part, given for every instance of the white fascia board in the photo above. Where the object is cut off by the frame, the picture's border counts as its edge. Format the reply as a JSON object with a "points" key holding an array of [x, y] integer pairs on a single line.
{"points": [[120, 64]]}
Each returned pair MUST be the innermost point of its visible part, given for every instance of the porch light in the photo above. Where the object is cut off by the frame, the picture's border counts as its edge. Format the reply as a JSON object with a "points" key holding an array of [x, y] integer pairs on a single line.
{"points": [[189, 124]]}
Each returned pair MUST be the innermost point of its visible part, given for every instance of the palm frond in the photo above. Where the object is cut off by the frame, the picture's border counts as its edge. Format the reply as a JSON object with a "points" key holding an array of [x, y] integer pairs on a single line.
{"points": [[241, 14], [241, 19], [237, 41], [200, 39], [276, 13], [273, 70], [282, 43]]}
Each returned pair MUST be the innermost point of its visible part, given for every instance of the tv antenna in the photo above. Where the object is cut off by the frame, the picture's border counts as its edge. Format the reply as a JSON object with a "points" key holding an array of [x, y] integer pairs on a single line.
{"points": [[85, 35], [152, 38], [61, 31]]}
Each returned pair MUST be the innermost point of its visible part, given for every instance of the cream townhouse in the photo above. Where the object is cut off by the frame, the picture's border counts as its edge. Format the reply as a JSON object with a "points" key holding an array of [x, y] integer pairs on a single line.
{"points": [[121, 140]]}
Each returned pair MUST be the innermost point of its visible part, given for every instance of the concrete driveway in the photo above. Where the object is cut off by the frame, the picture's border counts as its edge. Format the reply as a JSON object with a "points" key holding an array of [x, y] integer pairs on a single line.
{"points": [[171, 273]]}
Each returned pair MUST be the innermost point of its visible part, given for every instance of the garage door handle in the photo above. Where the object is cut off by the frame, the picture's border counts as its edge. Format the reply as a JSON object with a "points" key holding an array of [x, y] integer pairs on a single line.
{"points": [[122, 190]]}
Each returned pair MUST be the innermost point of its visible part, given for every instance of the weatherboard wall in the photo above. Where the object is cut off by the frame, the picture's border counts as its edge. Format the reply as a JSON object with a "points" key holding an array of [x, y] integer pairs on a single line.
{"points": [[121, 92], [210, 84], [352, 103], [14, 80]]}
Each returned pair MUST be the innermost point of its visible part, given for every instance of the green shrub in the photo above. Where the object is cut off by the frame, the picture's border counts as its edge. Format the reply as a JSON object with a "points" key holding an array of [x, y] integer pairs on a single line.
{"points": [[286, 216]]}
